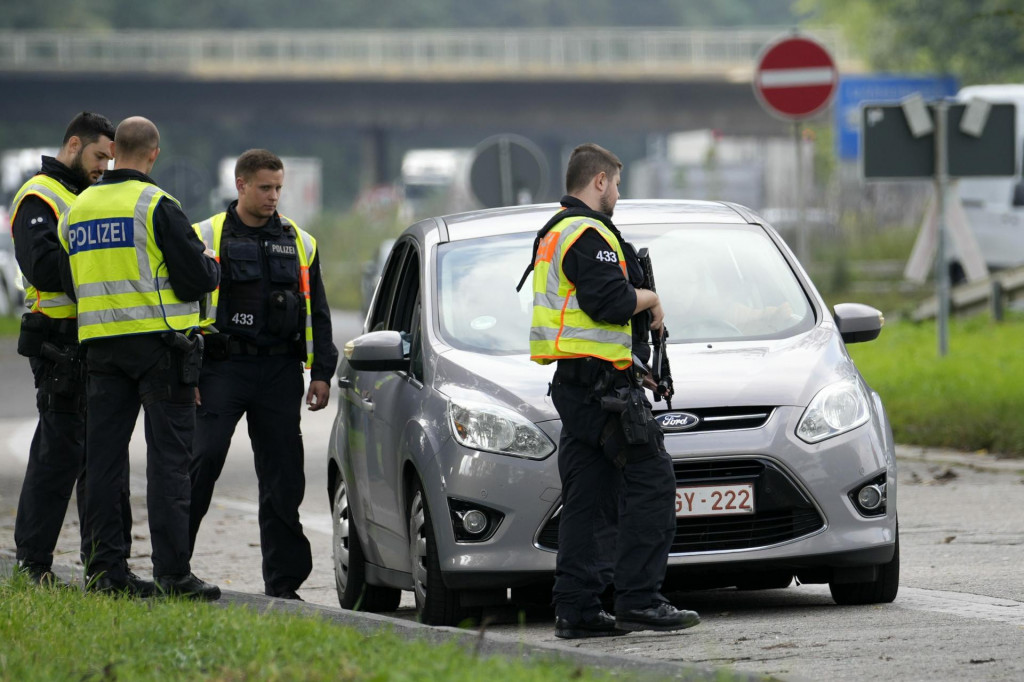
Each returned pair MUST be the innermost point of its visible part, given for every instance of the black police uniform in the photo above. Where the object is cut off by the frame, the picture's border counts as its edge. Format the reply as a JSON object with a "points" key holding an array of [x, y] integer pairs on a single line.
{"points": [[254, 366], [143, 370], [56, 457], [617, 522]]}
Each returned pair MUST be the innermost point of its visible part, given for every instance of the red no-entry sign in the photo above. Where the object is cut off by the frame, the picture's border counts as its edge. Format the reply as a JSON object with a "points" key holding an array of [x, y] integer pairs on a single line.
{"points": [[795, 78]]}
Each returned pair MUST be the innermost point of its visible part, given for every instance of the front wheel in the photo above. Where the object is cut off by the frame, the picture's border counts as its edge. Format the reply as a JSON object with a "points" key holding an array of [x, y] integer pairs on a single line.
{"points": [[435, 603], [354, 593], [881, 590]]}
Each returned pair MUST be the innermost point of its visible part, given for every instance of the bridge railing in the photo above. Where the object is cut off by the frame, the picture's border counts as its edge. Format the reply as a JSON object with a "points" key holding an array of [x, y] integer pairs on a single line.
{"points": [[434, 54]]}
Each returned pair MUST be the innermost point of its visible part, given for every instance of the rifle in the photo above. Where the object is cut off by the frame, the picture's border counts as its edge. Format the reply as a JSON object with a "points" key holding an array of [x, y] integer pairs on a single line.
{"points": [[661, 372]]}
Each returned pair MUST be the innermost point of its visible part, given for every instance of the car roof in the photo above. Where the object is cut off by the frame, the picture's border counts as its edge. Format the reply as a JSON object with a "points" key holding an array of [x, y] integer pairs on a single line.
{"points": [[531, 218]]}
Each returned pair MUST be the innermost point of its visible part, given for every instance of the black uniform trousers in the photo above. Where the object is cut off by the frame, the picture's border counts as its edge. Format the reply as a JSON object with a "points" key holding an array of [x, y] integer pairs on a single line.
{"points": [[268, 390], [617, 524], [124, 374], [56, 459]]}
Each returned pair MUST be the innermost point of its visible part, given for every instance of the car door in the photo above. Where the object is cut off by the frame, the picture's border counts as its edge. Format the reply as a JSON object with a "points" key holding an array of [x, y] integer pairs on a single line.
{"points": [[395, 398], [363, 445]]}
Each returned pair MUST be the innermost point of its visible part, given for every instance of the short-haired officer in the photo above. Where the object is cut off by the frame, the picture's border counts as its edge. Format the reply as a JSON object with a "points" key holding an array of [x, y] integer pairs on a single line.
{"points": [[618, 487], [49, 337], [268, 316], [138, 271]]}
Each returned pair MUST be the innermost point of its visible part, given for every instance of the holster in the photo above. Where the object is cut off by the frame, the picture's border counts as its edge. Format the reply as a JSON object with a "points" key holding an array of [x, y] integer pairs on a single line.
{"points": [[63, 384], [35, 330], [628, 433], [629, 404], [189, 356]]}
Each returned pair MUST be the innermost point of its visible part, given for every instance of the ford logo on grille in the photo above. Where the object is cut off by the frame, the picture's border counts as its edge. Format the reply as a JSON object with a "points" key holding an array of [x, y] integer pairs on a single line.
{"points": [[677, 421]]}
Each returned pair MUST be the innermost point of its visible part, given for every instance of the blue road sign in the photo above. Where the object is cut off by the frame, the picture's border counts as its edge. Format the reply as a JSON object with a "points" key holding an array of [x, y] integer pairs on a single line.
{"points": [[878, 88]]}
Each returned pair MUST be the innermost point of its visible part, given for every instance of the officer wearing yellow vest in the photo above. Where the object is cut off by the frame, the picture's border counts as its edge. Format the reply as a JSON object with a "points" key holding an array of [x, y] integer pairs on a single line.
{"points": [[618, 488], [268, 316], [138, 273], [49, 337]]}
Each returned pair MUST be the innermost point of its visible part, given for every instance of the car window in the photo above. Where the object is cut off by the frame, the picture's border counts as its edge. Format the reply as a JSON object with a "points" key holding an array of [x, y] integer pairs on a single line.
{"points": [[479, 306], [403, 312], [407, 293], [416, 343], [724, 282], [717, 282], [381, 314]]}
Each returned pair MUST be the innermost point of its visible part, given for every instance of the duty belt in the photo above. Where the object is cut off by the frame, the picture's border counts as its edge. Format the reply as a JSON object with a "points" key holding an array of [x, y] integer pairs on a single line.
{"points": [[60, 329], [242, 347], [581, 371]]}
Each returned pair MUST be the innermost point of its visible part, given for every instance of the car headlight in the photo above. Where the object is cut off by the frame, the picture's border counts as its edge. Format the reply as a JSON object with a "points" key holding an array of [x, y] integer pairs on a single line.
{"points": [[836, 409], [497, 429]]}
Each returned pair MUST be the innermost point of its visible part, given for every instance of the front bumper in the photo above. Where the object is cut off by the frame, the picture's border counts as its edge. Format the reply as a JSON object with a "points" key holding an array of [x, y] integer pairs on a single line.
{"points": [[804, 520]]}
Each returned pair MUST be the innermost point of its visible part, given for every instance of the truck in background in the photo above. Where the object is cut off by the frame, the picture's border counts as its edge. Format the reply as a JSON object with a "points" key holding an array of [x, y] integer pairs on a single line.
{"points": [[435, 182], [994, 207]]}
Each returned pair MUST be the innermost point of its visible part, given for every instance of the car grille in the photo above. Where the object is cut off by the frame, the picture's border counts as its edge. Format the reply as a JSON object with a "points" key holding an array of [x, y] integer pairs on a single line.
{"points": [[726, 418], [782, 511]]}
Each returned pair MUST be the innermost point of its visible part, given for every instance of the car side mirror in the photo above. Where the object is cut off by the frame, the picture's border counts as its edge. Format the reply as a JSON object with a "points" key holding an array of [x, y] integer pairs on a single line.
{"points": [[381, 351], [858, 322]]}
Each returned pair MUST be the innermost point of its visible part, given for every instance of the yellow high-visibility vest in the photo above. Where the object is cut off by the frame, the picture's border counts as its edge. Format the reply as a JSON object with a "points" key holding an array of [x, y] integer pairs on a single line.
{"points": [[55, 304], [120, 275], [210, 231], [560, 329]]}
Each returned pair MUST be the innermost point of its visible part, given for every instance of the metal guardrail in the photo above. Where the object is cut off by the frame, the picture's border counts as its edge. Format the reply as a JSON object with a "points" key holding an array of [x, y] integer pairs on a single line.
{"points": [[503, 54], [995, 293]]}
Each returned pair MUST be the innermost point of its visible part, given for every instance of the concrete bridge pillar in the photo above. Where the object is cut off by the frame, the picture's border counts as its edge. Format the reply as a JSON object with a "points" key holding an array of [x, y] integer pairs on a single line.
{"points": [[374, 166]]}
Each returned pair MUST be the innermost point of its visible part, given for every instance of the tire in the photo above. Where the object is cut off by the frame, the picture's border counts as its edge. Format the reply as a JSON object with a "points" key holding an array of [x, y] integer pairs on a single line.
{"points": [[354, 593], [435, 603], [882, 590]]}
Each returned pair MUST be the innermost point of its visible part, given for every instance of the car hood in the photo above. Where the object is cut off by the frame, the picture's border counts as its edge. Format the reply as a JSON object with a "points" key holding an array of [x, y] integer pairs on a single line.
{"points": [[767, 372]]}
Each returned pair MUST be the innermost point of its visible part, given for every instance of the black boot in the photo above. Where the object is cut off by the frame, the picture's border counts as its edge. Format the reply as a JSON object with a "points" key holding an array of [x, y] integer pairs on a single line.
{"points": [[187, 585], [599, 625], [130, 585], [40, 575], [661, 617]]}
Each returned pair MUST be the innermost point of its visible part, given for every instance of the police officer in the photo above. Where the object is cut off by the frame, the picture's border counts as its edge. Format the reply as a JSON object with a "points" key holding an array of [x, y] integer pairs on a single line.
{"points": [[50, 339], [138, 271], [269, 315], [618, 487]]}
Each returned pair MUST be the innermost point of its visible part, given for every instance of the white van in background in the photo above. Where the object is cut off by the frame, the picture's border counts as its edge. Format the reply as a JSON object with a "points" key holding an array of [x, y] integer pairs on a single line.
{"points": [[995, 206]]}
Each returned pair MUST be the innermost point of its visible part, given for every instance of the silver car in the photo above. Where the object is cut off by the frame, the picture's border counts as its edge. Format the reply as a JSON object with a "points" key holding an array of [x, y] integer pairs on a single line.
{"points": [[442, 465]]}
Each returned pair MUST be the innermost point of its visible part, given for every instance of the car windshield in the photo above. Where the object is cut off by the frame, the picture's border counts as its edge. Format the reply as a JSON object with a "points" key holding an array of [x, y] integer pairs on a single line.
{"points": [[716, 282]]}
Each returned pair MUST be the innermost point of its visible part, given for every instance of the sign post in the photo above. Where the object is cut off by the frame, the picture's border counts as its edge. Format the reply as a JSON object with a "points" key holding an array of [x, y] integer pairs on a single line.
{"points": [[941, 141], [941, 188], [795, 79]]}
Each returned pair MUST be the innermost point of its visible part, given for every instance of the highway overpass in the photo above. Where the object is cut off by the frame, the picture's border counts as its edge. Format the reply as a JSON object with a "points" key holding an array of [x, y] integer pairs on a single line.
{"points": [[383, 92]]}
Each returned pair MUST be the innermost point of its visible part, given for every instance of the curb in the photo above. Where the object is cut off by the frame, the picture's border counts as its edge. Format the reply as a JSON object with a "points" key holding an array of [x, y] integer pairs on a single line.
{"points": [[479, 642], [978, 461]]}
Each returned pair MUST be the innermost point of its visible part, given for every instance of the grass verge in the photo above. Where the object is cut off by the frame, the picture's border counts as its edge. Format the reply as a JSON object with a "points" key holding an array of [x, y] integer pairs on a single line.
{"points": [[67, 635], [970, 399], [10, 326]]}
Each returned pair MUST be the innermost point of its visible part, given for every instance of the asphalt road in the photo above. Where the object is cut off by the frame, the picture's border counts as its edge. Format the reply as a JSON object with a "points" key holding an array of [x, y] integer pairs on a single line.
{"points": [[959, 614]]}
